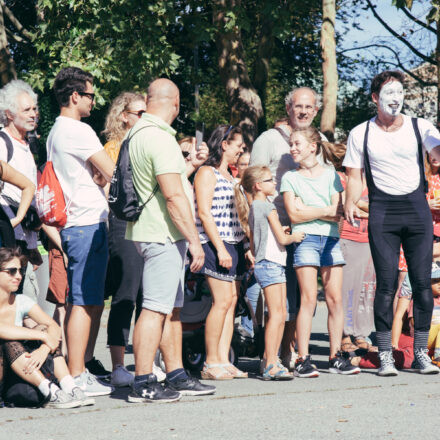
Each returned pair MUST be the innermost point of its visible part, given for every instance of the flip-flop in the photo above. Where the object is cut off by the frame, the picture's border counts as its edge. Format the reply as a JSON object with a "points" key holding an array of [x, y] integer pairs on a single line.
{"points": [[237, 374], [208, 375]]}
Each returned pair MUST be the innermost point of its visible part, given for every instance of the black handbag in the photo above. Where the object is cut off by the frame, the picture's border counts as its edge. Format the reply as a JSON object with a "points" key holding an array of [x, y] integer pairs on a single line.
{"points": [[31, 221]]}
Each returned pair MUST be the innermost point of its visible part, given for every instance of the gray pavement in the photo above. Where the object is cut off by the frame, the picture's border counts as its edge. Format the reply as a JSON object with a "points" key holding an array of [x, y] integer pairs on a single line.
{"points": [[332, 406]]}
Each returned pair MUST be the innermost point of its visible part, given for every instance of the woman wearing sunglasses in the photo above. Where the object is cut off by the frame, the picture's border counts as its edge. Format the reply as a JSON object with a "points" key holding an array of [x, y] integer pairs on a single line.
{"points": [[24, 352]]}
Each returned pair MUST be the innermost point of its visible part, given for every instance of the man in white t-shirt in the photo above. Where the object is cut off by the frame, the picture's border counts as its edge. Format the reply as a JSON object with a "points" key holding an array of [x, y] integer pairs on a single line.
{"points": [[18, 115], [272, 149], [83, 169], [390, 148]]}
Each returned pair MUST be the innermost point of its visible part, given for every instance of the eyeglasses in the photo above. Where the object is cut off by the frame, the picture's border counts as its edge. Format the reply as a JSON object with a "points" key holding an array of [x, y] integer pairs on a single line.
{"points": [[12, 271], [227, 132], [89, 95], [138, 113], [185, 154]]}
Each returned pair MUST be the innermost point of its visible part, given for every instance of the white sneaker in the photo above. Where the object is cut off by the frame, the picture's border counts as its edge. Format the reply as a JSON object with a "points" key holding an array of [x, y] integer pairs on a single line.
{"points": [[121, 377], [423, 363], [387, 367], [91, 386], [61, 400], [79, 395], [159, 373]]}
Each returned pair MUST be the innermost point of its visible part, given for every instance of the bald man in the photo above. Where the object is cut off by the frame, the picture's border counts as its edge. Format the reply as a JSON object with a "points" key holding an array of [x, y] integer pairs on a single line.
{"points": [[272, 149], [163, 233]]}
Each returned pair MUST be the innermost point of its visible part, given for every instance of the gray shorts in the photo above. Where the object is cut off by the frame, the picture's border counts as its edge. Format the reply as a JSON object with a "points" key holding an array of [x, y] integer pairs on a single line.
{"points": [[163, 276]]}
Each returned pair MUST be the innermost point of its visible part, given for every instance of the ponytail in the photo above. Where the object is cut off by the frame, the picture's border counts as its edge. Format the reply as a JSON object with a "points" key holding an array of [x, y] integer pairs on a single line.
{"points": [[333, 153], [242, 205]]}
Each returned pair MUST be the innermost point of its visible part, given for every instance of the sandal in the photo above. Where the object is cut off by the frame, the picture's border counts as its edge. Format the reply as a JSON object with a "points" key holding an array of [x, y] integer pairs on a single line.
{"points": [[281, 366], [209, 375], [279, 375], [234, 371]]}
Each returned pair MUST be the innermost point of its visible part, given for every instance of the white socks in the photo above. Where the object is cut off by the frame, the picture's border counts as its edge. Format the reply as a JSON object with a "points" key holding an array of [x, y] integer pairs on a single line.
{"points": [[46, 387], [67, 384]]}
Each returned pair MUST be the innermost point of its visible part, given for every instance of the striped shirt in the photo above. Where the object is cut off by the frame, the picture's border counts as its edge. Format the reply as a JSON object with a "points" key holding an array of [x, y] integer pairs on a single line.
{"points": [[224, 211]]}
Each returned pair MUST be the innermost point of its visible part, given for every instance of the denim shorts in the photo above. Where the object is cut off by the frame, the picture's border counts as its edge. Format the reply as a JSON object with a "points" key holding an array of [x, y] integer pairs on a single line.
{"points": [[212, 267], [267, 273], [318, 250], [87, 250], [163, 275]]}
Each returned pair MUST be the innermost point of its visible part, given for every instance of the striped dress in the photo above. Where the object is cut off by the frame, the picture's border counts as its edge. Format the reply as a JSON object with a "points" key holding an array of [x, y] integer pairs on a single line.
{"points": [[224, 211]]}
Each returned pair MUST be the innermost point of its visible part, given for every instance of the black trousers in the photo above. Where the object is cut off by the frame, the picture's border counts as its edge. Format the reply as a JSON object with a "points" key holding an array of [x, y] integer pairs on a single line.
{"points": [[406, 220], [123, 282]]}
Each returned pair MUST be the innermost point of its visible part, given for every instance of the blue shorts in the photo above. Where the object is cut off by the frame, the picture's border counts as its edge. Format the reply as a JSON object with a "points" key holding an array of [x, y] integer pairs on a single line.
{"points": [[267, 273], [212, 268], [319, 251], [87, 250]]}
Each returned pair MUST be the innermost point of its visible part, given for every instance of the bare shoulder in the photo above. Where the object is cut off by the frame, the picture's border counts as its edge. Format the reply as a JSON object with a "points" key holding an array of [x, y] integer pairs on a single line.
{"points": [[205, 174]]}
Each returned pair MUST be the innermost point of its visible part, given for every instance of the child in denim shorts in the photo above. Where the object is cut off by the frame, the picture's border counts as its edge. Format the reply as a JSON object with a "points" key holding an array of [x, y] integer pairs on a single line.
{"points": [[312, 197], [268, 238]]}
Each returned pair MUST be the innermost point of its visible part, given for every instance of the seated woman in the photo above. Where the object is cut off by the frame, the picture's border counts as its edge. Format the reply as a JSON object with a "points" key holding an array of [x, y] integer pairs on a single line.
{"points": [[24, 351]]}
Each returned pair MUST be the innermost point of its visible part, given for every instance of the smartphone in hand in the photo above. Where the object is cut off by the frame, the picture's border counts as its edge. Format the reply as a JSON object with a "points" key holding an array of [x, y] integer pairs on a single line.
{"points": [[200, 131]]}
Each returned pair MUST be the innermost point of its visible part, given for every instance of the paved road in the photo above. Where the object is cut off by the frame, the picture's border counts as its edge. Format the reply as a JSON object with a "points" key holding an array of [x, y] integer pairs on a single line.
{"points": [[329, 407]]}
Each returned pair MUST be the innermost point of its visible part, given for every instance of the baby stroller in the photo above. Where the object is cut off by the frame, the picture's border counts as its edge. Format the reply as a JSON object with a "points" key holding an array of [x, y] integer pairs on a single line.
{"points": [[197, 304]]}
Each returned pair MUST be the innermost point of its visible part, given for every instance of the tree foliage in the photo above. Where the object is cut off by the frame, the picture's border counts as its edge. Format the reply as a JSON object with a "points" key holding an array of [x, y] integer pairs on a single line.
{"points": [[121, 42], [125, 44]]}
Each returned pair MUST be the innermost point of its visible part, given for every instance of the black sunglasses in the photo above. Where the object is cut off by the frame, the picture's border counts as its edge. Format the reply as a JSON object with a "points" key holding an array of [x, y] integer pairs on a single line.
{"points": [[138, 113], [89, 95], [13, 270]]}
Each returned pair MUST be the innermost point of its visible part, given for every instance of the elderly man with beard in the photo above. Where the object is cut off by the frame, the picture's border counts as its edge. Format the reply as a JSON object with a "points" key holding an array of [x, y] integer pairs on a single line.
{"points": [[389, 149]]}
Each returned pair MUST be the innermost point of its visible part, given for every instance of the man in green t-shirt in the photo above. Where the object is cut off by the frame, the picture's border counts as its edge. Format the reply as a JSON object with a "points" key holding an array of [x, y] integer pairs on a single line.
{"points": [[163, 233]]}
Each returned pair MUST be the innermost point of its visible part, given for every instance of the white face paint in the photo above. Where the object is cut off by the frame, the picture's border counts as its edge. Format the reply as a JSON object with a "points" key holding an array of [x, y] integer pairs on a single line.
{"points": [[391, 98]]}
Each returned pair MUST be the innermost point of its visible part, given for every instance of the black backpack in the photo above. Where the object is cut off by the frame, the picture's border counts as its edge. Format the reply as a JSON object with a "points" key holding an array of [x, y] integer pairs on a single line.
{"points": [[122, 197]]}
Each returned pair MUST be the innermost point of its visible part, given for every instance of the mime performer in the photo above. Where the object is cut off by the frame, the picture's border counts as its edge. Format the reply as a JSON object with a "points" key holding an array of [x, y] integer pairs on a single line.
{"points": [[389, 149]]}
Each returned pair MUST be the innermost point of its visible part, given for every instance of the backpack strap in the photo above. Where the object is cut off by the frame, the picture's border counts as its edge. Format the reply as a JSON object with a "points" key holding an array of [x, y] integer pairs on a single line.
{"points": [[367, 168], [156, 188], [283, 134], [8, 144], [419, 145]]}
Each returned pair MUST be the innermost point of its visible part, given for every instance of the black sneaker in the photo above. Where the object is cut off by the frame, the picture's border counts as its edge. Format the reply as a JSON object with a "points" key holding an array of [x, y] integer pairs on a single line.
{"points": [[152, 391], [341, 364], [190, 386], [305, 368], [97, 369]]}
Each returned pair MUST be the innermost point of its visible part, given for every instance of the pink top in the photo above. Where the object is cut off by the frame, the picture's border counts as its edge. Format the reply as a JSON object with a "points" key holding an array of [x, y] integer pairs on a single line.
{"points": [[350, 232]]}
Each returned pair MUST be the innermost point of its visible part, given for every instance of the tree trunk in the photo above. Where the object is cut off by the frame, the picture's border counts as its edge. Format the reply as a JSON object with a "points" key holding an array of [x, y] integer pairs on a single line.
{"points": [[329, 68], [265, 49], [7, 65], [243, 100]]}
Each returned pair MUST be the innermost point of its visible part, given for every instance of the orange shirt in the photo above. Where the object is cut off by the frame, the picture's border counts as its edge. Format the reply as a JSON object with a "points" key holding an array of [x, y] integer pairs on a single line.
{"points": [[112, 149]]}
